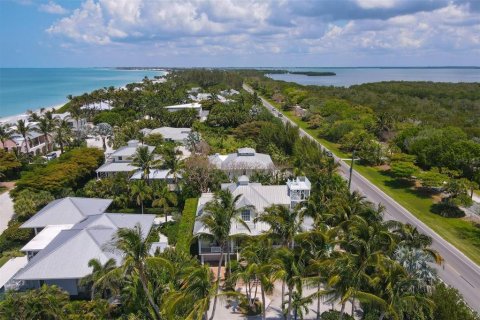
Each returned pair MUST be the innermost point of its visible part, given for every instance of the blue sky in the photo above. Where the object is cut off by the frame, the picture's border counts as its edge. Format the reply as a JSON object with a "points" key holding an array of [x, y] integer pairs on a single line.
{"points": [[84, 33]]}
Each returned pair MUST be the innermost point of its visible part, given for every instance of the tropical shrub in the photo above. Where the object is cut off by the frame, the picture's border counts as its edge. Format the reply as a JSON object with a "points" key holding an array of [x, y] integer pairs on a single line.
{"points": [[449, 304], [447, 209], [71, 170], [335, 315], [28, 202]]}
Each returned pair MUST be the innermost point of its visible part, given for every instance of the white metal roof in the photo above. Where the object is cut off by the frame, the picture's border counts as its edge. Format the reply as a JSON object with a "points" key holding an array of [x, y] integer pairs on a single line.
{"points": [[44, 237], [130, 150], [169, 133], [154, 174], [244, 158], [10, 268], [67, 256], [117, 167], [194, 105], [69, 210]]}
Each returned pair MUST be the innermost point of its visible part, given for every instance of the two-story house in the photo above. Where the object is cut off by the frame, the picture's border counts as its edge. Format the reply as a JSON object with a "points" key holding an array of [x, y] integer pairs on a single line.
{"points": [[254, 197], [120, 160]]}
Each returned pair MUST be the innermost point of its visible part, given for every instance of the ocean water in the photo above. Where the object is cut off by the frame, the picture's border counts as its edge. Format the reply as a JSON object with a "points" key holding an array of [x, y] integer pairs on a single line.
{"points": [[346, 77], [23, 89]]}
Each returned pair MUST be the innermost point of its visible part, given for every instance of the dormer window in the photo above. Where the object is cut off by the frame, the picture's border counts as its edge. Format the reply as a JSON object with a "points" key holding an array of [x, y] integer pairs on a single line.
{"points": [[246, 215]]}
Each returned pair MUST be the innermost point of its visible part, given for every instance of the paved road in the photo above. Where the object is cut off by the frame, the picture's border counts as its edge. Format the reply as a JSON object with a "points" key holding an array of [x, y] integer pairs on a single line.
{"points": [[457, 270]]}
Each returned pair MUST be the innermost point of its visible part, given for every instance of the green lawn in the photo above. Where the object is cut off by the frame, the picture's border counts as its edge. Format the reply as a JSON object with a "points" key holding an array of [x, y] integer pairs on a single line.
{"points": [[462, 234]]}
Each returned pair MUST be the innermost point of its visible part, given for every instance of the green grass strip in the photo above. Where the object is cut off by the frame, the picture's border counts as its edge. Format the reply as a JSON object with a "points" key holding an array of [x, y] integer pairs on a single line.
{"points": [[185, 229]]}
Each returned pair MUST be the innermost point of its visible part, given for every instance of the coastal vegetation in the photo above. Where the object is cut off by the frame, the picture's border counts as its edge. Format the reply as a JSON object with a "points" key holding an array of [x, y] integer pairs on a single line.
{"points": [[415, 141], [349, 257]]}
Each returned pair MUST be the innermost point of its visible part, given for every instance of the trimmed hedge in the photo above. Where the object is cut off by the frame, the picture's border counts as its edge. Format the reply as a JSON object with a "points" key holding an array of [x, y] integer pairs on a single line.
{"points": [[185, 228]]}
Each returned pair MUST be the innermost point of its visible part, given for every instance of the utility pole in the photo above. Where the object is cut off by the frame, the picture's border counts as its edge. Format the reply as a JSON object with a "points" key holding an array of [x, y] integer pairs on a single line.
{"points": [[351, 169]]}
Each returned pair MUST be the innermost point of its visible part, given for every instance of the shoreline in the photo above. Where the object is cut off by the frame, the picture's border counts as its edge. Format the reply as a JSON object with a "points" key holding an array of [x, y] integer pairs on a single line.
{"points": [[13, 118]]}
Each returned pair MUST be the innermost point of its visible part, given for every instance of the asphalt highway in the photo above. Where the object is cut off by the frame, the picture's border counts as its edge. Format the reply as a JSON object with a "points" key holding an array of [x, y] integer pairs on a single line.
{"points": [[457, 270]]}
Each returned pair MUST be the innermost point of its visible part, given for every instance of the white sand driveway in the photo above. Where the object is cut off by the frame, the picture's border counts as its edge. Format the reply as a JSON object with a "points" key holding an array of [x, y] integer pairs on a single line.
{"points": [[6, 210]]}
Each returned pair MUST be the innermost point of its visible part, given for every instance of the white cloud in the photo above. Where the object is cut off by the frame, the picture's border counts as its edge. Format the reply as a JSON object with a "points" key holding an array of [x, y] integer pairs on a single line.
{"points": [[375, 4], [249, 27], [52, 7]]}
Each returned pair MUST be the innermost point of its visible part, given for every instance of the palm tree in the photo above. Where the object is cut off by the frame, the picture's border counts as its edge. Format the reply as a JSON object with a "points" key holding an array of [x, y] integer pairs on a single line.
{"points": [[135, 246], [104, 130], [172, 162], [258, 255], [46, 126], [103, 277], [409, 236], [284, 223], [320, 245], [23, 129], [291, 265], [62, 133], [145, 161], [140, 192], [197, 289], [76, 114], [393, 296], [218, 216], [164, 198], [5, 133]]}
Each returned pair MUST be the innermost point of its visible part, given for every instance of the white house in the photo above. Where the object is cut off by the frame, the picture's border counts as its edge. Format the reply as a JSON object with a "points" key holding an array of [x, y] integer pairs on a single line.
{"points": [[61, 252], [256, 196], [243, 162], [170, 134], [195, 106], [119, 161], [72, 123]]}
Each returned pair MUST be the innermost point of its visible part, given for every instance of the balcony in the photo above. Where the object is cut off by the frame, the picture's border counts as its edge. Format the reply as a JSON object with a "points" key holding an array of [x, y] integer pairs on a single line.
{"points": [[215, 250]]}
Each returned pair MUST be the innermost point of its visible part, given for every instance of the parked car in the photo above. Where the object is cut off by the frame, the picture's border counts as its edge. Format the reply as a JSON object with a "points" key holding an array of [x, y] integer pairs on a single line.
{"points": [[51, 156]]}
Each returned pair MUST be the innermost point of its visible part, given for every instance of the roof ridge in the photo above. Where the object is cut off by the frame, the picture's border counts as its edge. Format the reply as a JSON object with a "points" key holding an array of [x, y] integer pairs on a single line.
{"points": [[259, 193], [30, 265], [75, 205]]}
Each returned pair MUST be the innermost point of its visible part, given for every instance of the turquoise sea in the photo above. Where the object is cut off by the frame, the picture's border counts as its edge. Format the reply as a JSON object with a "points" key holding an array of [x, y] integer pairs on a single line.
{"points": [[24, 89], [346, 77]]}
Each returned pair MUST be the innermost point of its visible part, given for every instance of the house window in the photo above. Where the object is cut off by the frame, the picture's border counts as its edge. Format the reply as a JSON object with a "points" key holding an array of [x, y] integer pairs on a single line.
{"points": [[246, 215], [119, 158]]}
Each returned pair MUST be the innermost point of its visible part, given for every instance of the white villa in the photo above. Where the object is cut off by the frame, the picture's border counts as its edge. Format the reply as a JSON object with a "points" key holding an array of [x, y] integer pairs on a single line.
{"points": [[120, 160], [100, 106], [244, 162], [82, 122], [253, 195], [170, 134], [73, 231], [195, 105]]}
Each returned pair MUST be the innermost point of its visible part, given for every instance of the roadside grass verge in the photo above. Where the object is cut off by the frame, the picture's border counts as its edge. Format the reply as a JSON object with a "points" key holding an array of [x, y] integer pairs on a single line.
{"points": [[464, 235], [461, 233]]}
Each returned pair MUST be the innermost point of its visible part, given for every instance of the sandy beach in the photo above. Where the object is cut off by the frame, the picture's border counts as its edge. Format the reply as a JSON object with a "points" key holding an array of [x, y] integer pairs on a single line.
{"points": [[14, 118]]}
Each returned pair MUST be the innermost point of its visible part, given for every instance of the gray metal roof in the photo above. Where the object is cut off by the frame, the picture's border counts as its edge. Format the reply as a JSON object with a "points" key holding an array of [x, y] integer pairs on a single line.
{"points": [[129, 151], [245, 158], [155, 174], [175, 134], [68, 210], [251, 194], [67, 256], [117, 167]]}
